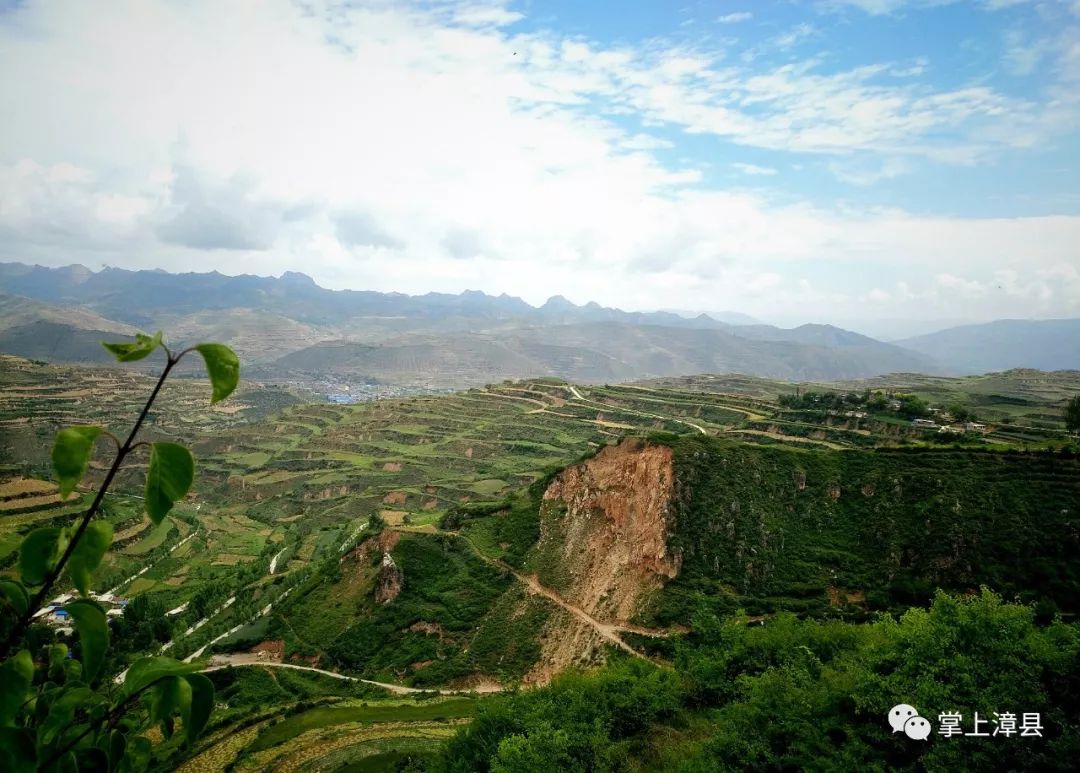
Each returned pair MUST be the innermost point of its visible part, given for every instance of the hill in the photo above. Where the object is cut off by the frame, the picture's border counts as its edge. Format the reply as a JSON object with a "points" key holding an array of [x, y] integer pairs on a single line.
{"points": [[499, 536], [598, 352], [16, 311], [1049, 344], [291, 327]]}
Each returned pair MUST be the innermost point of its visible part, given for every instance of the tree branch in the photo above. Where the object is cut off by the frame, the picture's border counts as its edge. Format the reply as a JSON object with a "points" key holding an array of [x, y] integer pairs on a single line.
{"points": [[36, 603]]}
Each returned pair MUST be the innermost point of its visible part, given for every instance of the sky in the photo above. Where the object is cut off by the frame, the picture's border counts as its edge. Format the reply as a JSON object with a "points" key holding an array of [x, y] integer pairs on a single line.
{"points": [[825, 161]]}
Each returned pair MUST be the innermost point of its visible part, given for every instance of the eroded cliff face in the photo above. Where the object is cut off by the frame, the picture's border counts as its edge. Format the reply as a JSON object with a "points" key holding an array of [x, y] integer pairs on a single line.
{"points": [[604, 540], [389, 580]]}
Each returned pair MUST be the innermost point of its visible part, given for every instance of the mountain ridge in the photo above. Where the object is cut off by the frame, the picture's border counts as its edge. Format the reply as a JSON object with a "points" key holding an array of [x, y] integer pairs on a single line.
{"points": [[289, 325], [1042, 344]]}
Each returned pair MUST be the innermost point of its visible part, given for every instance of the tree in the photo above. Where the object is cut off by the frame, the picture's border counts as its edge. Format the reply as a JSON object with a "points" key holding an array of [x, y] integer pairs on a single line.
{"points": [[59, 713], [961, 413], [912, 406], [1072, 414]]}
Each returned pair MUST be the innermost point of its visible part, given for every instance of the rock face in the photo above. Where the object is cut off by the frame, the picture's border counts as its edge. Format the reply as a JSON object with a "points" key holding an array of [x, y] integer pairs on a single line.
{"points": [[388, 583], [607, 521], [604, 547], [613, 531]]}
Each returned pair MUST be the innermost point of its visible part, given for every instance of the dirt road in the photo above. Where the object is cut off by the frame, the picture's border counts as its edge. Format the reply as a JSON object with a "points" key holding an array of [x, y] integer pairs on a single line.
{"points": [[218, 662]]}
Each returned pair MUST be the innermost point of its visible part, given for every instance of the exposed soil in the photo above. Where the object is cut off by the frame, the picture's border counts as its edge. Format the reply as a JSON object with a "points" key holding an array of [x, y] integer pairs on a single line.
{"points": [[605, 521], [388, 583], [615, 529]]}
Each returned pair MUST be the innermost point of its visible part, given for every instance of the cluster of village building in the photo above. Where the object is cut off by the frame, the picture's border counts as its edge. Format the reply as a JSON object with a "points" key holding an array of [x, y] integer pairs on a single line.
{"points": [[54, 614]]}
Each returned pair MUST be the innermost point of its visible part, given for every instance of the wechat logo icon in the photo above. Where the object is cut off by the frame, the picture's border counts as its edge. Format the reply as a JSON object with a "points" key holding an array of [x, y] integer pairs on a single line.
{"points": [[904, 718]]}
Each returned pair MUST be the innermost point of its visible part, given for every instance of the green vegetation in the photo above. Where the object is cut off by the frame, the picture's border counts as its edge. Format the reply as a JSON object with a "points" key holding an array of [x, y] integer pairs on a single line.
{"points": [[794, 695], [783, 505], [422, 635], [814, 531], [58, 713], [1072, 414], [328, 716]]}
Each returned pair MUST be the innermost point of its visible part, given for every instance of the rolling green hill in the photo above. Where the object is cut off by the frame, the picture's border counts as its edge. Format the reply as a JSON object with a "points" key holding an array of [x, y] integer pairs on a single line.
{"points": [[502, 535], [594, 353]]}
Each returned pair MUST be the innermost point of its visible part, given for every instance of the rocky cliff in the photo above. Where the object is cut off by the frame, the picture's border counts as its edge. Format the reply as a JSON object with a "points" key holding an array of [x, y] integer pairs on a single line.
{"points": [[603, 545]]}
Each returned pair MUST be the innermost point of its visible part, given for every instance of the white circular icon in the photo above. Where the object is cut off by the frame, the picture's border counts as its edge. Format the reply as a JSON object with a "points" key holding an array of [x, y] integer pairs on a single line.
{"points": [[917, 728], [899, 714]]}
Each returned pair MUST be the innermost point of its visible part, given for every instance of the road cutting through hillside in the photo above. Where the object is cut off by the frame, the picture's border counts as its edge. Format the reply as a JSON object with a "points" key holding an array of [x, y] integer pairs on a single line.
{"points": [[608, 631], [751, 415], [218, 662], [578, 396]]}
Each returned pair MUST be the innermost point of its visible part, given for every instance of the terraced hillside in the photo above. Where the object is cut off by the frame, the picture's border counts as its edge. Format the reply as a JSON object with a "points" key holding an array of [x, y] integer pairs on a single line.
{"points": [[441, 542], [36, 399]]}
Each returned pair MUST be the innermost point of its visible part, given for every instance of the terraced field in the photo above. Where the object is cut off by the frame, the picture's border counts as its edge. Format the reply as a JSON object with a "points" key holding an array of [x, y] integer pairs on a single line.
{"points": [[274, 542], [36, 399]]}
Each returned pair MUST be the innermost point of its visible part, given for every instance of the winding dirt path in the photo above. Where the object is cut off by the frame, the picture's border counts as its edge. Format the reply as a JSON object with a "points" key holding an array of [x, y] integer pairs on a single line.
{"points": [[218, 662], [634, 411], [608, 631], [751, 415], [787, 438]]}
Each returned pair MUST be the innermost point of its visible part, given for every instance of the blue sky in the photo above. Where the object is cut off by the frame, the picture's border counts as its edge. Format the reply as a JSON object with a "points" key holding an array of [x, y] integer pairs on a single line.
{"points": [[921, 49], [842, 160]]}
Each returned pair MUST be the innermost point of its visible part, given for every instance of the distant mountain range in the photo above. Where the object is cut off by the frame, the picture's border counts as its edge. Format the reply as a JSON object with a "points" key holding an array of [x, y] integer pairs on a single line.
{"points": [[289, 326], [1045, 344], [139, 297]]}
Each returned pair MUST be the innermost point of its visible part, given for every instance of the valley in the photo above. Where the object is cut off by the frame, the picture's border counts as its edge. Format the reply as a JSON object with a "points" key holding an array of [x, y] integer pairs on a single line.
{"points": [[484, 541]]}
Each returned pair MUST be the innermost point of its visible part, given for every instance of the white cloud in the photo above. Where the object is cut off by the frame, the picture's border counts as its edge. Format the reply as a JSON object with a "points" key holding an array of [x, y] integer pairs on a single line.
{"points": [[735, 18], [862, 171], [754, 169], [486, 15], [882, 7], [645, 142], [794, 36], [390, 147], [1023, 55]]}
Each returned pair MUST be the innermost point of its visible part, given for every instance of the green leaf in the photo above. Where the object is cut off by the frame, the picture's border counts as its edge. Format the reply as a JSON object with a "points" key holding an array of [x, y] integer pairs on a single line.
{"points": [[172, 469], [130, 352], [57, 658], [223, 367], [72, 671], [137, 754], [93, 628], [88, 553], [17, 753], [71, 454], [39, 552], [171, 695], [62, 713], [14, 595], [202, 703], [145, 671], [117, 744], [16, 674]]}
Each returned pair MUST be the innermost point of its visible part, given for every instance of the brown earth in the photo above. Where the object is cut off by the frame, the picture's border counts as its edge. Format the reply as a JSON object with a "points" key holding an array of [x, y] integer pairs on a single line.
{"points": [[270, 649], [605, 522], [388, 583]]}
